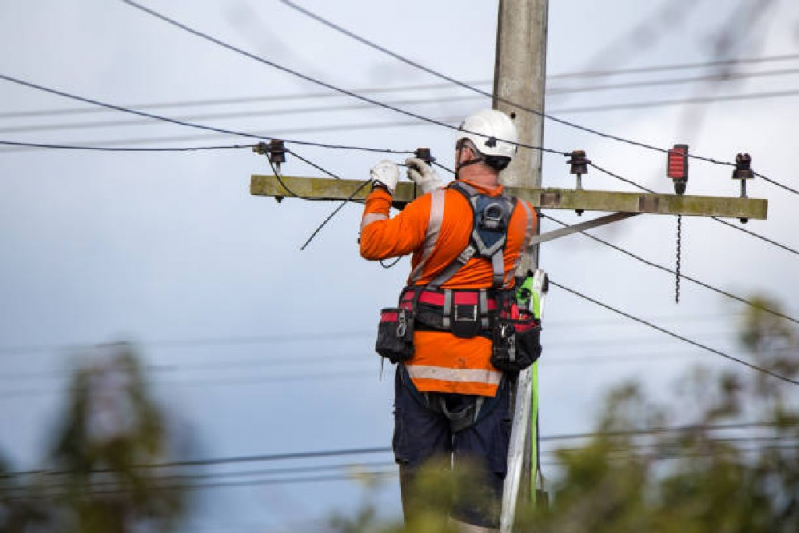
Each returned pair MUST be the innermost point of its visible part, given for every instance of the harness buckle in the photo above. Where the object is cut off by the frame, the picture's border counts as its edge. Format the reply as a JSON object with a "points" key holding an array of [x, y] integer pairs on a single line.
{"points": [[457, 317], [402, 325]]}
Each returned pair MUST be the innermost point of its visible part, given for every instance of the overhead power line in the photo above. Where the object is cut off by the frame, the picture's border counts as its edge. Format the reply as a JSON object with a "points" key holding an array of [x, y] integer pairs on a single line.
{"points": [[123, 149], [418, 101], [315, 96], [316, 454], [728, 224], [313, 80], [188, 124], [464, 85], [673, 272], [675, 335], [18, 145]]}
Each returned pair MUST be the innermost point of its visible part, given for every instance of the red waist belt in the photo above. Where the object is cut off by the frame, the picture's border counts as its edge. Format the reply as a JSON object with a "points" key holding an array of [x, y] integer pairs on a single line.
{"points": [[437, 298], [464, 312]]}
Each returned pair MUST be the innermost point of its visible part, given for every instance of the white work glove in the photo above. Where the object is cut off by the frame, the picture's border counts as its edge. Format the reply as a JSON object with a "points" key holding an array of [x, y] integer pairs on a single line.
{"points": [[385, 173], [422, 175]]}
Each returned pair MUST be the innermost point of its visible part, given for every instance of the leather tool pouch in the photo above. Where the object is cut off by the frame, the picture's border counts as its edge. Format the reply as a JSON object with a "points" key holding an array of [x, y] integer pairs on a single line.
{"points": [[395, 334]]}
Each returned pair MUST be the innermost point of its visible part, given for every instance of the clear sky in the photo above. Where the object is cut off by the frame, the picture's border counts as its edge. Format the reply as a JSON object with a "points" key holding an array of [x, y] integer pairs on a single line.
{"points": [[276, 344]]}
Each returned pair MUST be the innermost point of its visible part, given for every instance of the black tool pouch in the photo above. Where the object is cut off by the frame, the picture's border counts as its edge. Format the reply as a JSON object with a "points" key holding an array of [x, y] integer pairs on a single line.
{"points": [[515, 344], [395, 334], [528, 340]]}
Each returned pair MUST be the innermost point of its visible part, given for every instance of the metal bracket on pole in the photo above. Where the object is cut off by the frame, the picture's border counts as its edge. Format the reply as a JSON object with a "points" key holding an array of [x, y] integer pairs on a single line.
{"points": [[578, 228]]}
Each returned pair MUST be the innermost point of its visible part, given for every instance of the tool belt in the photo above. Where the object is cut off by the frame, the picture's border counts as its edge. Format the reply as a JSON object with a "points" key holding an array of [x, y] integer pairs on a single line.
{"points": [[466, 313]]}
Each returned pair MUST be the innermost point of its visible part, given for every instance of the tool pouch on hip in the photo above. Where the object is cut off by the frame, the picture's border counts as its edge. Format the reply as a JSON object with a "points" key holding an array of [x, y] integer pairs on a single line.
{"points": [[515, 344], [395, 334]]}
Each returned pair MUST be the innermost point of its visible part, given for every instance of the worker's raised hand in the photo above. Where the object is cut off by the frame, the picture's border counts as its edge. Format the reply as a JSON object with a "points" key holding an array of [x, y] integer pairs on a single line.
{"points": [[422, 175], [385, 173]]}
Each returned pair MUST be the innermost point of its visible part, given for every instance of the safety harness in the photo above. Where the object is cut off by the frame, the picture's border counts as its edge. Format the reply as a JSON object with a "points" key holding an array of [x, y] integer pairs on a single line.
{"points": [[465, 312]]}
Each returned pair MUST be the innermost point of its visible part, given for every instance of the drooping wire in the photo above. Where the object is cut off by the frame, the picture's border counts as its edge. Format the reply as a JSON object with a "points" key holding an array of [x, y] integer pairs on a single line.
{"points": [[333, 214], [717, 219], [674, 272], [162, 118], [477, 90], [321, 83], [678, 261], [337, 209], [282, 184], [390, 265], [675, 335], [124, 149]]}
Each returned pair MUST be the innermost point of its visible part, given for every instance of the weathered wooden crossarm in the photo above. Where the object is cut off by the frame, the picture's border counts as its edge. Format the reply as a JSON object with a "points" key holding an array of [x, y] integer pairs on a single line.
{"points": [[612, 202]]}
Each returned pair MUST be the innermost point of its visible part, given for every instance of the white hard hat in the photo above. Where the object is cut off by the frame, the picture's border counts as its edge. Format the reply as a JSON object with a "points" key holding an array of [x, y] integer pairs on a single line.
{"points": [[492, 132]]}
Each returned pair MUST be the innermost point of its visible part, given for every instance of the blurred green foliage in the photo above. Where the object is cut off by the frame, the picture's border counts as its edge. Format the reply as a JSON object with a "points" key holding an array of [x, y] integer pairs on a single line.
{"points": [[92, 481]]}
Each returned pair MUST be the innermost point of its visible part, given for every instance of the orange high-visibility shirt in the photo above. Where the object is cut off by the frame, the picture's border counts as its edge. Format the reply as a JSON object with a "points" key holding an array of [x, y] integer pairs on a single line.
{"points": [[443, 362]]}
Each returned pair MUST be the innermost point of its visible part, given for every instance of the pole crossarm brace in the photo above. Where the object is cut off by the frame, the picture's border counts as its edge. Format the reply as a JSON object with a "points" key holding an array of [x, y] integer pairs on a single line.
{"points": [[607, 201]]}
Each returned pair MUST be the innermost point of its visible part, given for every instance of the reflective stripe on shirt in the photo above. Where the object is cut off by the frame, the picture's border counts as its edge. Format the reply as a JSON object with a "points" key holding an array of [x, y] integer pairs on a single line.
{"points": [[459, 375], [433, 230]]}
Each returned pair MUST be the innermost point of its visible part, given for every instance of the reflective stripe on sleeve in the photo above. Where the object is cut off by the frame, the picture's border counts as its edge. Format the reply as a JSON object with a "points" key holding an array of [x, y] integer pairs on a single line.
{"points": [[459, 375], [372, 217], [433, 230]]}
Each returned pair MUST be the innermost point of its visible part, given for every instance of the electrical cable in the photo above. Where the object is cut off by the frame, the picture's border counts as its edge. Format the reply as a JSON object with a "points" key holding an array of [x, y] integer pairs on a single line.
{"points": [[675, 335], [394, 124], [780, 185], [124, 149], [758, 236], [717, 219], [251, 114], [315, 81], [190, 124], [258, 458], [312, 164], [314, 96], [336, 210], [464, 85], [674, 272]]}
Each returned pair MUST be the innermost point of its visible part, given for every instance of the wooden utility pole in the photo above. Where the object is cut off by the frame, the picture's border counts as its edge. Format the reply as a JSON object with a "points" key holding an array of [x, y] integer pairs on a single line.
{"points": [[519, 86], [520, 78]]}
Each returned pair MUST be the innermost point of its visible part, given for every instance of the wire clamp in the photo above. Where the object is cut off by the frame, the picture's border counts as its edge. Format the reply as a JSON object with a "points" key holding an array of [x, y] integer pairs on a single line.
{"points": [[275, 151], [425, 155]]}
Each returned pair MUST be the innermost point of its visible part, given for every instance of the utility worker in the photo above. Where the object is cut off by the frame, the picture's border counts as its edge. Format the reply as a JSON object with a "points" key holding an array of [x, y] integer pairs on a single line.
{"points": [[452, 397]]}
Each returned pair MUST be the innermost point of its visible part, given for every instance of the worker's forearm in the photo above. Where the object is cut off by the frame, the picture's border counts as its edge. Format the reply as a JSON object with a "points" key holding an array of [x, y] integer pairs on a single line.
{"points": [[377, 207]]}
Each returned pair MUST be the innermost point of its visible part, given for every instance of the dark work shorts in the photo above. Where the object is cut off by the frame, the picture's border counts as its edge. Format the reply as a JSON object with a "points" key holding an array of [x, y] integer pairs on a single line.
{"points": [[421, 434]]}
